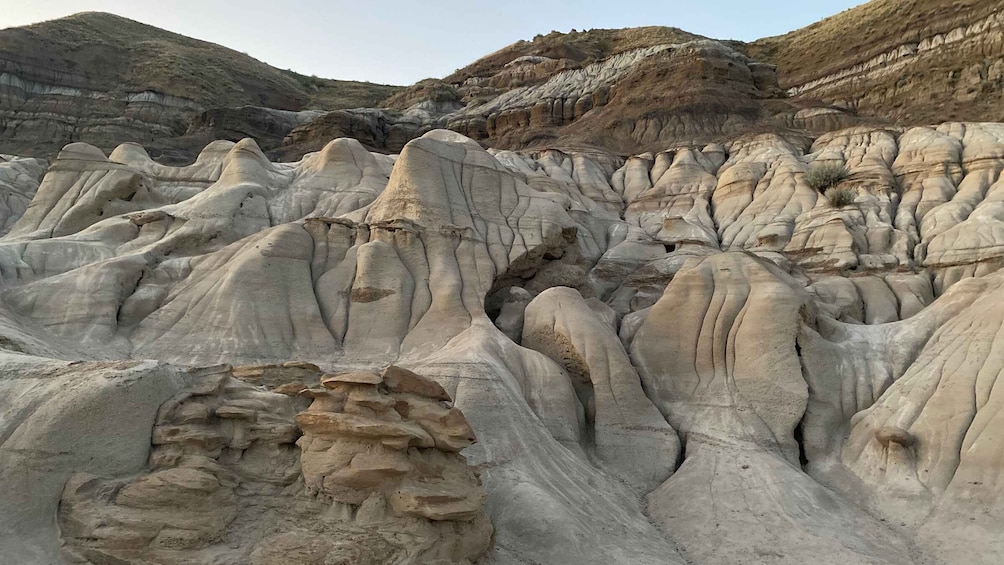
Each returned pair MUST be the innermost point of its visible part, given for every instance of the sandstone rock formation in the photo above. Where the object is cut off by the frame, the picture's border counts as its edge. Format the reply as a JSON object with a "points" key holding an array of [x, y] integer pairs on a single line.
{"points": [[689, 355], [224, 480], [670, 345], [388, 444]]}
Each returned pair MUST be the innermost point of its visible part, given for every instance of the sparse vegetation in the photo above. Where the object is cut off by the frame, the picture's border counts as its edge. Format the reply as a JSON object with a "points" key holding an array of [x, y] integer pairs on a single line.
{"points": [[117, 53], [858, 34], [580, 46], [824, 176], [840, 197], [427, 89]]}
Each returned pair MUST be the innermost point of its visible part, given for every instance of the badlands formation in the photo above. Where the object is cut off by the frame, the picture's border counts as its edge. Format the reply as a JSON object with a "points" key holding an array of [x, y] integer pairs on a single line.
{"points": [[683, 357], [105, 80], [579, 303]]}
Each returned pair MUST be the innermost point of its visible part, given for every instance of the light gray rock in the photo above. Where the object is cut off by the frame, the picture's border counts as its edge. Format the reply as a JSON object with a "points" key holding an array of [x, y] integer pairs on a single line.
{"points": [[825, 368], [624, 431]]}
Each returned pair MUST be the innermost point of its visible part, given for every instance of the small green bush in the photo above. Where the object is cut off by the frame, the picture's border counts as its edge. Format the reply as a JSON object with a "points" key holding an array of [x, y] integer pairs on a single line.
{"points": [[824, 176], [840, 197]]}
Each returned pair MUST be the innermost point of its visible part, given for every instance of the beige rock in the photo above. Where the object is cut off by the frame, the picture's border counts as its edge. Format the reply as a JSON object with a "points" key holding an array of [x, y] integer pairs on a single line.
{"points": [[628, 434], [927, 445], [892, 434], [790, 352], [718, 354], [202, 500], [291, 376], [355, 377], [401, 380], [389, 463]]}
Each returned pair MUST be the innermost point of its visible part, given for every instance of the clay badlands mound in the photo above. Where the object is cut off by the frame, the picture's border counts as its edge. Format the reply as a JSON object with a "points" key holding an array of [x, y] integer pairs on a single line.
{"points": [[617, 296]]}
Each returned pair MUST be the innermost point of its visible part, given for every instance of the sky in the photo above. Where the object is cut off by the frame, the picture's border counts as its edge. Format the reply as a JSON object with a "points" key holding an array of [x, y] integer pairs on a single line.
{"points": [[403, 41]]}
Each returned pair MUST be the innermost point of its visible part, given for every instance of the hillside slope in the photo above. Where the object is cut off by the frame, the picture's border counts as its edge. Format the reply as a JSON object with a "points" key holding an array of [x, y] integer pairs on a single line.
{"points": [[105, 79], [623, 90], [886, 62], [907, 61]]}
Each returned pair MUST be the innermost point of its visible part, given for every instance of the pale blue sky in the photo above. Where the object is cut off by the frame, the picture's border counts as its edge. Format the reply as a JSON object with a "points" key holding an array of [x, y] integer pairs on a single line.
{"points": [[402, 41]]}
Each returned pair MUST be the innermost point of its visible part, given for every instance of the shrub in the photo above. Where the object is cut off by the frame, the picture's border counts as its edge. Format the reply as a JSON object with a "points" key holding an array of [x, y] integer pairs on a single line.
{"points": [[824, 176], [840, 197]]}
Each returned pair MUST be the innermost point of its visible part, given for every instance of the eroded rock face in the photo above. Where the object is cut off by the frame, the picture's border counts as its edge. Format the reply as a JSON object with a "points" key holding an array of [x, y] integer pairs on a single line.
{"points": [[629, 436], [718, 355], [931, 441], [641, 89], [388, 445], [690, 353], [231, 479], [211, 446], [690, 348], [912, 66]]}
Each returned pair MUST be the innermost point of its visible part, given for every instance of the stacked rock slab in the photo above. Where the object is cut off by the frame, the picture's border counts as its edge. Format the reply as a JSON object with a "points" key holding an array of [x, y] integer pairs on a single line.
{"points": [[216, 446], [388, 446], [285, 378], [224, 481]]}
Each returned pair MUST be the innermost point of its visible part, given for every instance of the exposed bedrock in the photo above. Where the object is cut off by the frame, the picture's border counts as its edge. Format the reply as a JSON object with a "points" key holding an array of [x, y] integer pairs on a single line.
{"points": [[624, 429], [683, 355], [929, 446], [143, 462], [717, 353], [916, 64]]}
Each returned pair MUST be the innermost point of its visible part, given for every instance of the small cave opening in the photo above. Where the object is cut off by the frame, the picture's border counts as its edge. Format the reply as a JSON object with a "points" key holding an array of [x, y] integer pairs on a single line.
{"points": [[496, 297], [670, 247], [799, 431], [799, 439]]}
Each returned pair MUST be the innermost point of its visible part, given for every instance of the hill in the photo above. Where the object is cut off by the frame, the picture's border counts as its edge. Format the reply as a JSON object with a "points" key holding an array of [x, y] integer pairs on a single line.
{"points": [[906, 61], [105, 79]]}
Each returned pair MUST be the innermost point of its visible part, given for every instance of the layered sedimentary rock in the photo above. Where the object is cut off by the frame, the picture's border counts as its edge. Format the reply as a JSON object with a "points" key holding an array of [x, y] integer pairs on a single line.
{"points": [[388, 445], [685, 355], [105, 79], [905, 61], [267, 126], [102, 79], [383, 130], [217, 472], [635, 99]]}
